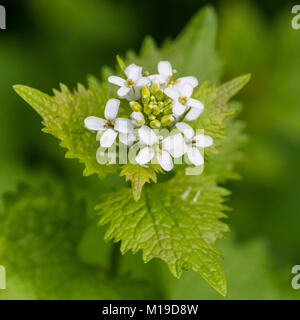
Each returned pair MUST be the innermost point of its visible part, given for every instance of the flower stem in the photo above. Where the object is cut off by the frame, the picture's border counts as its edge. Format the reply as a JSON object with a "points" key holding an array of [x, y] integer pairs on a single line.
{"points": [[182, 117]]}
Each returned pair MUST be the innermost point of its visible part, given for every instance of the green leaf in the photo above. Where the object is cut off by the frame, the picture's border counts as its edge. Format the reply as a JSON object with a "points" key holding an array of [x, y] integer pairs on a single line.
{"points": [[177, 221], [39, 234], [222, 164], [216, 109], [138, 176], [250, 276], [191, 53], [63, 116]]}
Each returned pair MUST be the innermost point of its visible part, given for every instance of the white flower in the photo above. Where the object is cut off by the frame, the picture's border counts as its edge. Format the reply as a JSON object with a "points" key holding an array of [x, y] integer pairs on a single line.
{"points": [[110, 125], [130, 88], [127, 138], [192, 143], [160, 147], [165, 75], [181, 96]]}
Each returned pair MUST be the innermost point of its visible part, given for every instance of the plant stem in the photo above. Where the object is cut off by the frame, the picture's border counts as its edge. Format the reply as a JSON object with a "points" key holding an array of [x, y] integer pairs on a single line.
{"points": [[114, 259], [182, 117]]}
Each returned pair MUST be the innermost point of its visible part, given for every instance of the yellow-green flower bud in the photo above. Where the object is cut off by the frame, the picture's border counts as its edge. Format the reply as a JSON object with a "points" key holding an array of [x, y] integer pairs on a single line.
{"points": [[155, 124], [159, 95], [168, 101], [135, 106], [160, 105], [145, 94], [148, 108], [151, 117], [168, 109], [155, 87], [152, 99], [156, 110], [167, 120]]}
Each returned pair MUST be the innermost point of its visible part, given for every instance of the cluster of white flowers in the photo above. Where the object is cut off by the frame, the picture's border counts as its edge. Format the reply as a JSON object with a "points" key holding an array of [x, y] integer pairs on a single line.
{"points": [[157, 101]]}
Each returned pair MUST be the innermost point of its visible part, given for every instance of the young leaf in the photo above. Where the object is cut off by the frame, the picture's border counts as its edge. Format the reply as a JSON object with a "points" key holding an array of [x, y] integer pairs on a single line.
{"points": [[139, 176], [39, 234], [63, 116], [191, 53], [177, 221], [216, 110]]}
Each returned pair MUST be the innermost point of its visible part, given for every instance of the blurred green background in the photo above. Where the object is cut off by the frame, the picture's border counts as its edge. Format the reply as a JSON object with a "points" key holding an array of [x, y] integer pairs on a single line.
{"points": [[47, 42]]}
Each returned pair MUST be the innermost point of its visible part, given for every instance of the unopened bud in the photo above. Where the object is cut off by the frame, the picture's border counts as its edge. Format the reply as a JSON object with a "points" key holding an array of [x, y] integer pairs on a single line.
{"points": [[155, 87], [135, 106], [159, 95], [145, 94], [160, 105], [156, 110], [168, 109], [137, 118], [148, 108], [151, 117], [167, 120], [155, 124]]}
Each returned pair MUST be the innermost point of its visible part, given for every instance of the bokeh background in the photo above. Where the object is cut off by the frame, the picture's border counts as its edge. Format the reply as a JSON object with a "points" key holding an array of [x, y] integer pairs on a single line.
{"points": [[52, 41]]}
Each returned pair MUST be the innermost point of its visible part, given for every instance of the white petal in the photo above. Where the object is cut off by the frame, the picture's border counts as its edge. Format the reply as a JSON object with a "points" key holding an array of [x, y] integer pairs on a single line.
{"points": [[190, 80], [186, 129], [178, 109], [123, 125], [195, 104], [144, 81], [123, 91], [133, 72], [116, 80], [144, 156], [193, 114], [186, 90], [195, 156], [127, 139], [165, 68], [157, 78], [172, 93], [147, 135], [133, 95], [174, 145], [94, 123], [111, 109], [165, 160], [108, 138], [203, 141]]}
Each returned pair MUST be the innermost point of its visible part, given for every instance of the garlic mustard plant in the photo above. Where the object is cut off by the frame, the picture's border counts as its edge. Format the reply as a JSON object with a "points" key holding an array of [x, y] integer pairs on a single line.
{"points": [[161, 114]]}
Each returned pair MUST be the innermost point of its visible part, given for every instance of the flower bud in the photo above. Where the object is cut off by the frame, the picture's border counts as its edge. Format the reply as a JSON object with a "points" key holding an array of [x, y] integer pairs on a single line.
{"points": [[159, 95], [145, 95], [167, 120], [151, 117], [156, 110], [160, 104], [152, 99], [155, 124], [155, 87], [137, 118], [135, 106], [148, 108], [168, 109]]}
